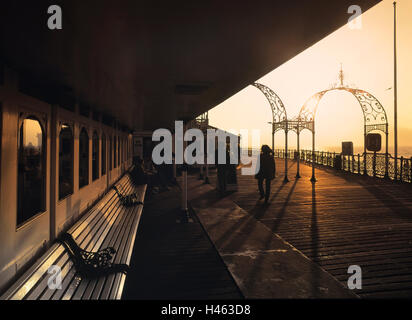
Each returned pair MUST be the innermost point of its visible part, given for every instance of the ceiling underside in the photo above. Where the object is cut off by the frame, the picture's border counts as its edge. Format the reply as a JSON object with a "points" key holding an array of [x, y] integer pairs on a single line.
{"points": [[148, 63]]}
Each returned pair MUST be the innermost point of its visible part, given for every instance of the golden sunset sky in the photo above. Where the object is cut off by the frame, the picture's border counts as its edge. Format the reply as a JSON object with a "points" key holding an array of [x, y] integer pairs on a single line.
{"points": [[367, 58]]}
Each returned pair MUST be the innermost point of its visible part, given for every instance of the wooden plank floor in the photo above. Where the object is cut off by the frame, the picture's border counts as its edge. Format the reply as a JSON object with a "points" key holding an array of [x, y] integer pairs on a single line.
{"points": [[175, 260], [342, 220]]}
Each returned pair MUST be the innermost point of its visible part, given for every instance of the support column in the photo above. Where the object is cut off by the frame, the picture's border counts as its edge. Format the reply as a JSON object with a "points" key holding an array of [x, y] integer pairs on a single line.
{"points": [[174, 169], [273, 138], [201, 172], [395, 91], [298, 159], [185, 211], [365, 169], [184, 189], [285, 180], [313, 179], [55, 128], [207, 173]]}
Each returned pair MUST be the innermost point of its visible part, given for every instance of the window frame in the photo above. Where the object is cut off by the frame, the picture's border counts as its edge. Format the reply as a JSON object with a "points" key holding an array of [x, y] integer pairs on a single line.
{"points": [[71, 126], [95, 134], [84, 128], [103, 157], [115, 152], [41, 118]]}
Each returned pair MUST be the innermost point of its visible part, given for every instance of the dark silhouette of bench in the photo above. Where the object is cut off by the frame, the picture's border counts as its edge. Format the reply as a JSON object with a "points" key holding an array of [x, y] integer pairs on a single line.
{"points": [[93, 256]]}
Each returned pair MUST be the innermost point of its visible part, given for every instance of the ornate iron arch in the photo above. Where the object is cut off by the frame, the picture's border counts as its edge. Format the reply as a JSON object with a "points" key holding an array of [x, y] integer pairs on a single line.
{"points": [[278, 108], [374, 116], [279, 118]]}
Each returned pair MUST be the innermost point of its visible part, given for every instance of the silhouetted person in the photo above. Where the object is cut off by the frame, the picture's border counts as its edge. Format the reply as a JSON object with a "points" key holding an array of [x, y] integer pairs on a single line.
{"points": [[138, 174], [222, 168], [266, 172]]}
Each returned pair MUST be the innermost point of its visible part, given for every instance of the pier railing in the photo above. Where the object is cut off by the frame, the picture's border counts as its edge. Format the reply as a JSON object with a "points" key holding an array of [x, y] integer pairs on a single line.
{"points": [[375, 164]]}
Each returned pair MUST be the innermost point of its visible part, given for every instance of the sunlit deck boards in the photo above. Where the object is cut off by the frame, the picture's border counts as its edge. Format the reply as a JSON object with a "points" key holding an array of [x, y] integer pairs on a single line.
{"points": [[342, 220]]}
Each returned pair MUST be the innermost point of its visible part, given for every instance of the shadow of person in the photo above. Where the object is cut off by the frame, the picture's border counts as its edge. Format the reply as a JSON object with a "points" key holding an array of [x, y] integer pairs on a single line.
{"points": [[314, 232]]}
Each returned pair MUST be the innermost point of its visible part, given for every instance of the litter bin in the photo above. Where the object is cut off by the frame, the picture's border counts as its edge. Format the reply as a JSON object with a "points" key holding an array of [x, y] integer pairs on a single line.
{"points": [[337, 162]]}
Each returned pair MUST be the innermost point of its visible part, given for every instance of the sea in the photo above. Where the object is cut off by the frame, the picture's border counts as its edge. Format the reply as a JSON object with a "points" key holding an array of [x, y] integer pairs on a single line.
{"points": [[403, 151]]}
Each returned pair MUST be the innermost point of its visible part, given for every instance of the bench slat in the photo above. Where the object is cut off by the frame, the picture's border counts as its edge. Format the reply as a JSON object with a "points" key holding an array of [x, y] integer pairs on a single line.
{"points": [[119, 245], [82, 240], [116, 279], [116, 212], [108, 223], [25, 282], [85, 290], [103, 281]]}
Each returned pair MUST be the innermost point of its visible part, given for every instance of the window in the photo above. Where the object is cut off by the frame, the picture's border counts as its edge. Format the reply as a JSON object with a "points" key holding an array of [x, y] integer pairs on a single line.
{"points": [[103, 154], [31, 170], [95, 156], [65, 161], [110, 154], [115, 151], [83, 158]]}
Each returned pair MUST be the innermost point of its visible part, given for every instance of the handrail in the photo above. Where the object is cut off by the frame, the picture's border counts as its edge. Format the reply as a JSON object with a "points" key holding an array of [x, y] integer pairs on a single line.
{"points": [[376, 164]]}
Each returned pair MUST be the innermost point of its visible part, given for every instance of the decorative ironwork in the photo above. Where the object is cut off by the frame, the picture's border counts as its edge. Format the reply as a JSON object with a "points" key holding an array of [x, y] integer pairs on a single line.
{"points": [[279, 115], [91, 264], [129, 200], [373, 112], [374, 119], [308, 111], [375, 163], [278, 109]]}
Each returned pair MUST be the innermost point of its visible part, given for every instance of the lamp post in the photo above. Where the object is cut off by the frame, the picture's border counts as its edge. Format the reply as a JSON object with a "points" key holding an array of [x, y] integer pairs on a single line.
{"points": [[395, 92]]}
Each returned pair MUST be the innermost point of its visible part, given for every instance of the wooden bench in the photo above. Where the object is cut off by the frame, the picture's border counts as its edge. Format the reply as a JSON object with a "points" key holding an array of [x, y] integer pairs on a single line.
{"points": [[107, 224]]}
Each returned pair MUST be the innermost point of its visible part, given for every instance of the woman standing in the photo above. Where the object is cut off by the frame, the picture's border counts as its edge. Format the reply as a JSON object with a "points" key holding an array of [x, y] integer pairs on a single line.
{"points": [[266, 172]]}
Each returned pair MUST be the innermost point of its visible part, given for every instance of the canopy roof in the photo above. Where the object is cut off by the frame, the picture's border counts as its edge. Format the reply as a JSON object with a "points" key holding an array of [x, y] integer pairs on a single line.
{"points": [[148, 63]]}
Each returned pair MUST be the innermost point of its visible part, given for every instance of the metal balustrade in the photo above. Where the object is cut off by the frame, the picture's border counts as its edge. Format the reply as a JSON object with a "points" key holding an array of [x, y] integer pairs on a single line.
{"points": [[377, 165]]}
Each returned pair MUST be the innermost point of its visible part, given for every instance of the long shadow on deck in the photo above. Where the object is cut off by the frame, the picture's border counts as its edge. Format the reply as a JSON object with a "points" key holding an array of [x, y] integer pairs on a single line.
{"points": [[175, 260], [314, 231]]}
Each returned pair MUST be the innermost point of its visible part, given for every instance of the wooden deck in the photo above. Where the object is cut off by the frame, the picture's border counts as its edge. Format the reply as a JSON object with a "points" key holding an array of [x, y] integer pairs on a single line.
{"points": [[342, 220], [174, 260]]}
